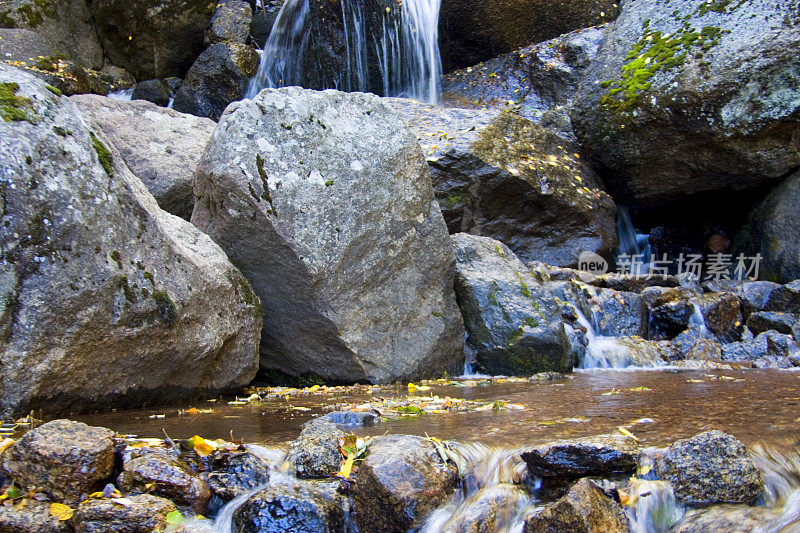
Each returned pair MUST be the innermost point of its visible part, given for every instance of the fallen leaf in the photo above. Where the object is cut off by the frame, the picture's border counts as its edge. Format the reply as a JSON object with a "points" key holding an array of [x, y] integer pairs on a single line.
{"points": [[174, 517], [5, 443], [61, 512], [201, 446], [627, 433]]}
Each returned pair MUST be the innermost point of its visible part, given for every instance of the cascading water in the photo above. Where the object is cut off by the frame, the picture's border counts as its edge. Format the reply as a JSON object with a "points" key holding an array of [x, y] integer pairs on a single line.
{"points": [[391, 51], [632, 244]]}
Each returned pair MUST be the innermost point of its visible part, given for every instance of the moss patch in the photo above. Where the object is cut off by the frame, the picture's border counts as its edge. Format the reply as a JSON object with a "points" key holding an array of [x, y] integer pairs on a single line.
{"points": [[14, 107], [53, 90], [167, 311], [103, 155]]}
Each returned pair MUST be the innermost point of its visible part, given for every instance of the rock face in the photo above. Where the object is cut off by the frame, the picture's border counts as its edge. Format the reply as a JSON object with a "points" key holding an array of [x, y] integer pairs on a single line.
{"points": [[315, 453], [151, 38], [711, 467], [473, 31], [762, 321], [129, 296], [329, 225], [582, 457], [22, 45], [143, 514], [772, 231], [508, 178], [530, 80], [769, 349], [513, 324], [67, 459], [66, 26], [230, 23], [690, 96], [172, 479], [399, 483], [584, 509], [162, 147], [219, 76], [785, 298], [301, 508]]}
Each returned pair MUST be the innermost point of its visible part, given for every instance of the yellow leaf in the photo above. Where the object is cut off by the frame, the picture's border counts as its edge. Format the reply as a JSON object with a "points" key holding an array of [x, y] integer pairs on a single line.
{"points": [[61, 512], [347, 466], [5, 443], [627, 433], [192, 411], [202, 446], [624, 497]]}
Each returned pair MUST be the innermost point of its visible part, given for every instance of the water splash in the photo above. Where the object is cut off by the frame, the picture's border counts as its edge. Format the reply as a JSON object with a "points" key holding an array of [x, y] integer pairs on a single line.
{"points": [[603, 352], [654, 508], [394, 52], [125, 95]]}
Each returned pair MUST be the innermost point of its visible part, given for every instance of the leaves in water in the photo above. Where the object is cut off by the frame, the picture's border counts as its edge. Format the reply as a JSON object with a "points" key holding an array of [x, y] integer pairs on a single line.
{"points": [[628, 433], [5, 443], [61, 512], [201, 446], [174, 518]]}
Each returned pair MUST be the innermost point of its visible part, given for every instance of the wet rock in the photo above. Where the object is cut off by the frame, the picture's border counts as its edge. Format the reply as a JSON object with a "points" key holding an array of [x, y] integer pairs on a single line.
{"points": [[154, 91], [722, 314], [315, 453], [669, 319], [619, 352], [737, 518], [488, 510], [22, 45], [219, 76], [617, 313], [714, 112], [711, 467], [236, 473], [574, 458], [283, 166], [65, 25], [546, 377], [299, 507], [584, 509], [142, 514], [263, 21], [472, 32], [129, 295], [71, 78], [33, 517], [400, 482], [513, 323], [768, 350], [67, 459], [785, 298], [230, 23], [771, 231], [694, 344], [150, 38], [161, 146], [531, 80], [658, 296], [754, 295], [636, 283], [762, 321], [498, 177], [166, 477], [347, 418]]}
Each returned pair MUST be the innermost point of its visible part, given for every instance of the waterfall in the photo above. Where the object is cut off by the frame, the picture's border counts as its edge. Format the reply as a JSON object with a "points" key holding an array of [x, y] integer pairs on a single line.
{"points": [[123, 94], [387, 50], [632, 243]]}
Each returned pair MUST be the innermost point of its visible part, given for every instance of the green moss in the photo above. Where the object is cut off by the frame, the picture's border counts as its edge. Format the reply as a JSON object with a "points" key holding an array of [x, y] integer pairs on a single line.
{"points": [[13, 107], [531, 322], [53, 90], [265, 184], [149, 277], [456, 200], [167, 311], [524, 290], [717, 6], [145, 292], [115, 255], [61, 131], [329, 183], [123, 284], [103, 155], [437, 314]]}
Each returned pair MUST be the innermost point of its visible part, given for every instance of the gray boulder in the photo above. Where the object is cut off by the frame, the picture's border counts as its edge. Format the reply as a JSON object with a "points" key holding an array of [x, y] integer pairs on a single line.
{"points": [[299, 507], [616, 313], [34, 517], [24, 46], [167, 477], [508, 178], [155, 91], [218, 77], [711, 467], [162, 147], [588, 456], [66, 459], [762, 321], [139, 291], [785, 298], [754, 295], [236, 473], [400, 482], [584, 509], [315, 453], [767, 350], [722, 314], [143, 513], [230, 23], [513, 324], [690, 96], [329, 225]]}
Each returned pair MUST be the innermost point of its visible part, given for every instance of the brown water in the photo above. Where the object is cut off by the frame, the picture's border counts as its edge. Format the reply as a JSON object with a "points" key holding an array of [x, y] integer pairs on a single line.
{"points": [[753, 405]]}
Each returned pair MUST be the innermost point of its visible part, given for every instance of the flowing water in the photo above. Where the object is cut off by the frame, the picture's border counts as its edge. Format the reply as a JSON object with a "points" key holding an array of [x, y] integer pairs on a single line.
{"points": [[394, 52], [634, 248]]}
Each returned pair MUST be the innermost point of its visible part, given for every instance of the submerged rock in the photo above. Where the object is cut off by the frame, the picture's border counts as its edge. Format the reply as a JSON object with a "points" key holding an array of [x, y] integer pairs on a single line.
{"points": [[513, 324], [141, 294], [218, 77], [33, 517], [167, 477], [690, 96], [727, 518], [584, 509], [143, 513], [490, 509], [315, 453], [299, 507], [711, 467], [400, 482], [587, 456], [66, 459], [236, 473], [161, 147], [324, 200]]}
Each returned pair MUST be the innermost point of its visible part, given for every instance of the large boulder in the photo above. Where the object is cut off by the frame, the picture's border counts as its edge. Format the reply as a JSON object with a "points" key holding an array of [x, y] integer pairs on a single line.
{"points": [[508, 178], [473, 31], [167, 477], [143, 513], [66, 459], [22, 46], [315, 453], [400, 482], [588, 456], [161, 147], [152, 38], [230, 23], [772, 231], [323, 199], [220, 76], [690, 96], [513, 324], [769, 349], [299, 507], [140, 292], [711, 467], [584, 509], [66, 25]]}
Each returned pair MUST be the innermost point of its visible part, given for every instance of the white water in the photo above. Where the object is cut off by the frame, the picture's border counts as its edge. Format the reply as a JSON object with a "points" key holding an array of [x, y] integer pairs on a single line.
{"points": [[124, 95], [632, 244], [407, 50], [608, 352]]}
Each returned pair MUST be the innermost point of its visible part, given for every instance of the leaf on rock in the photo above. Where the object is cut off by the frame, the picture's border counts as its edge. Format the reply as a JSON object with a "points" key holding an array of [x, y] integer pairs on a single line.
{"points": [[61, 512]]}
